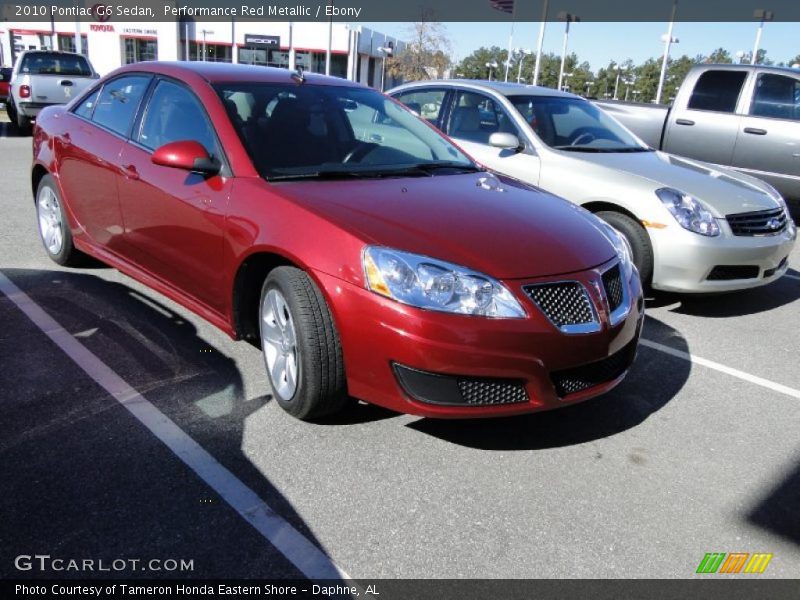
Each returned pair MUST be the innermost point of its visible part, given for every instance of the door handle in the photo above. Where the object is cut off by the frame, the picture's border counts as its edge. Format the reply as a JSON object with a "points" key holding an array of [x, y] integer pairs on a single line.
{"points": [[130, 171], [65, 82], [684, 122], [755, 131]]}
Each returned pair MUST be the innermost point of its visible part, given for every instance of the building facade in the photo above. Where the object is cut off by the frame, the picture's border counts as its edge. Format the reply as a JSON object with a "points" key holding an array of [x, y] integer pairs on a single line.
{"points": [[357, 53]]}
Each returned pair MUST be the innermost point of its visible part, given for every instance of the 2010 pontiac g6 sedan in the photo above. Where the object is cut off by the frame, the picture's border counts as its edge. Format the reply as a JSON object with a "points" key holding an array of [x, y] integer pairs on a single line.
{"points": [[365, 253]]}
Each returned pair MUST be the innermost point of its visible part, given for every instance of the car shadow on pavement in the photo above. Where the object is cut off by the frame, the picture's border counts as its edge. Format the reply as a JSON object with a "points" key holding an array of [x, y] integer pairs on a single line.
{"points": [[653, 380], [778, 512], [734, 304], [161, 355], [7, 129]]}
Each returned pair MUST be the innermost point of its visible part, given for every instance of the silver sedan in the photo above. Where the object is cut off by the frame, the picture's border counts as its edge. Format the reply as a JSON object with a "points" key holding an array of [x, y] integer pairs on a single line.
{"points": [[692, 226]]}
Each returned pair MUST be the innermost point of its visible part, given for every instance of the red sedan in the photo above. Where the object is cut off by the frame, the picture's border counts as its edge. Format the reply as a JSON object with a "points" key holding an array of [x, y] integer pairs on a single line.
{"points": [[367, 254]]}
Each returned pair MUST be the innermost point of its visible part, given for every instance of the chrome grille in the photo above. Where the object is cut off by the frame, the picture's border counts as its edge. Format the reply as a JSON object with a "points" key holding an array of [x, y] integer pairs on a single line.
{"points": [[487, 392], [760, 222], [612, 281], [565, 303]]}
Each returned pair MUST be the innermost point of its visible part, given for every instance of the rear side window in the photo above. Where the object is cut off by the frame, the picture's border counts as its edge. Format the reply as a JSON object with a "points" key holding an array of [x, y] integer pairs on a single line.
{"points": [[87, 106], [427, 104], [475, 117], [118, 102], [777, 97], [174, 114], [717, 91], [55, 64]]}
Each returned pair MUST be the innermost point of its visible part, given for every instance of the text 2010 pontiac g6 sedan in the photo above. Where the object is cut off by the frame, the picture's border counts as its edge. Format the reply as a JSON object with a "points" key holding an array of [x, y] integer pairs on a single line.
{"points": [[367, 254]]}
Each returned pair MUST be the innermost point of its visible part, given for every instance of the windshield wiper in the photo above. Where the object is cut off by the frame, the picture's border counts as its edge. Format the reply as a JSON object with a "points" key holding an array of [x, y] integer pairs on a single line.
{"points": [[419, 169]]}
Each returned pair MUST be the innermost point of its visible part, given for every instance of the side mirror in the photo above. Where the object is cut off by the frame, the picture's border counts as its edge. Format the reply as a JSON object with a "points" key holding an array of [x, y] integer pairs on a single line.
{"points": [[187, 155], [505, 141]]}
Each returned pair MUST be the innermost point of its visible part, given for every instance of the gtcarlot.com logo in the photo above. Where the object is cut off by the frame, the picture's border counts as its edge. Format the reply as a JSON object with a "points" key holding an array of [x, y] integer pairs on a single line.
{"points": [[734, 562], [47, 563]]}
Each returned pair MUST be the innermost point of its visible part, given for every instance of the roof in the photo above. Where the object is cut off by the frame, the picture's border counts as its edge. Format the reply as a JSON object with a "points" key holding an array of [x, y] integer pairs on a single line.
{"points": [[506, 88], [214, 72], [737, 67]]}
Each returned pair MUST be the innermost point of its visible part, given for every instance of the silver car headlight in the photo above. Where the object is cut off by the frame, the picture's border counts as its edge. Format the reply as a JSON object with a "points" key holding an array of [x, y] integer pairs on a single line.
{"points": [[622, 247], [689, 212], [436, 285]]}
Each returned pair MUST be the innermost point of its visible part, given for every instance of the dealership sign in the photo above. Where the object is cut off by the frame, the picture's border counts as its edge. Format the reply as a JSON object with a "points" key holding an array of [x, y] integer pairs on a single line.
{"points": [[262, 41]]}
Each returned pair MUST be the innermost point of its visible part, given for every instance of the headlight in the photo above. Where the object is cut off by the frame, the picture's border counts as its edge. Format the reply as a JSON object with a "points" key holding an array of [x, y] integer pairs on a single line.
{"points": [[689, 212], [435, 285], [623, 248]]}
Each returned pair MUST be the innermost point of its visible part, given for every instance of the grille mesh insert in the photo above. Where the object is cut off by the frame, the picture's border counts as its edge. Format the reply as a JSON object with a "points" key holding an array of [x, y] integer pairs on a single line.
{"points": [[612, 281], [487, 392], [577, 379], [564, 303]]}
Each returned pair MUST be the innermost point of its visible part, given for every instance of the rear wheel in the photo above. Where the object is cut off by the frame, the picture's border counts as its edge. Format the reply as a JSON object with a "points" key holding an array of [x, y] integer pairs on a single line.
{"points": [[53, 227], [301, 347], [638, 239], [22, 122]]}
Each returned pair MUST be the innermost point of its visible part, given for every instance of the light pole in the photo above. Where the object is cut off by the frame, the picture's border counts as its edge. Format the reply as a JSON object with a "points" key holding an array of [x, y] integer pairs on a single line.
{"points": [[540, 44], [668, 41], [740, 56], [205, 32], [588, 85], [616, 83], [385, 51], [492, 64], [763, 15], [523, 52], [567, 18], [566, 76]]}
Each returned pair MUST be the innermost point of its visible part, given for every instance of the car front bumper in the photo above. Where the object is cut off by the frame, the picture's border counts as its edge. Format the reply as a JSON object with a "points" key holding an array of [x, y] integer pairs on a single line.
{"points": [[686, 262], [420, 362]]}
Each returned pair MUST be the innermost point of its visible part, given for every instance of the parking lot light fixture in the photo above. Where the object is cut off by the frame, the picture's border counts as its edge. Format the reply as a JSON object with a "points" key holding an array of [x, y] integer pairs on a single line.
{"points": [[385, 51], [762, 15], [618, 69], [491, 65], [523, 52], [567, 18]]}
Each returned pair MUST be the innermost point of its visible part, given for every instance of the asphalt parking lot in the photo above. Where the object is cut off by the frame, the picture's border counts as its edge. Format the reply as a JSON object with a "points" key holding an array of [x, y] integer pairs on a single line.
{"points": [[697, 451]]}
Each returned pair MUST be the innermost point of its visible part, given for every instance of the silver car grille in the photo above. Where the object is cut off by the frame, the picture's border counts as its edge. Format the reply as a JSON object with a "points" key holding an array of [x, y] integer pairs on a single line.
{"points": [[760, 222]]}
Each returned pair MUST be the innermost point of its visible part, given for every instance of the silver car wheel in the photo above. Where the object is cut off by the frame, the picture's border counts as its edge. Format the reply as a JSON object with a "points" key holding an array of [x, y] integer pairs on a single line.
{"points": [[279, 344], [51, 225]]}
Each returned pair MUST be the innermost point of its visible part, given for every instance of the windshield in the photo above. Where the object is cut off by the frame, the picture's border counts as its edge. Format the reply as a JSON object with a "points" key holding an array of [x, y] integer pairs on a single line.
{"points": [[72, 65], [304, 130], [575, 125]]}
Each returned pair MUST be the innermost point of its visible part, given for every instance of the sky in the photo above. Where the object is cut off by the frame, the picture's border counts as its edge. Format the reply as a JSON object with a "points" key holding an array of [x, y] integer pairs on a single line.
{"points": [[600, 43]]}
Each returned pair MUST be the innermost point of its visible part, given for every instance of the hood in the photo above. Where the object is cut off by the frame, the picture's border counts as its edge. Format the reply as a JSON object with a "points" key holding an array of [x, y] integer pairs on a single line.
{"points": [[723, 190], [474, 220]]}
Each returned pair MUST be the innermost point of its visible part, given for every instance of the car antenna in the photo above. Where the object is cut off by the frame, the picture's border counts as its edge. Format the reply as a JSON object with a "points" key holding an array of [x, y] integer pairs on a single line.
{"points": [[298, 75]]}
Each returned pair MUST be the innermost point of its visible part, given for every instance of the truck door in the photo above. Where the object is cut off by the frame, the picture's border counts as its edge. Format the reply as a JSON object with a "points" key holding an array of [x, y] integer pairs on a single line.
{"points": [[768, 145], [705, 125]]}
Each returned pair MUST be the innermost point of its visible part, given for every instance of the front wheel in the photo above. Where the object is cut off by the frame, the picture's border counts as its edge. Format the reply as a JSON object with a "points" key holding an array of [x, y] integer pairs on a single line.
{"points": [[638, 239], [301, 347]]}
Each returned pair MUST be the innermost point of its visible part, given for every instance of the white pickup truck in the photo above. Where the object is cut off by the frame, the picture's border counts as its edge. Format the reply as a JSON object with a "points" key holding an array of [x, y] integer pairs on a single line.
{"points": [[44, 77], [742, 116]]}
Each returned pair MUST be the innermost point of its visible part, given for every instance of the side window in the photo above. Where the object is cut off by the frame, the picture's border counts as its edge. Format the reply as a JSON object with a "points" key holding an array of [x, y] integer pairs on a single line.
{"points": [[717, 91], [475, 117], [776, 96], [118, 102], [86, 107], [175, 114], [426, 103]]}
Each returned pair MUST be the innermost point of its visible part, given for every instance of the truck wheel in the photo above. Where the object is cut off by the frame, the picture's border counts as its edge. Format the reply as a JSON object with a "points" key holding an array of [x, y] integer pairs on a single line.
{"points": [[301, 346], [638, 239], [53, 227], [22, 122]]}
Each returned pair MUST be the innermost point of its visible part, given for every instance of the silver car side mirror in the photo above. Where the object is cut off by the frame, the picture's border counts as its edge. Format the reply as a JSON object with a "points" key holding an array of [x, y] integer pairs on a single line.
{"points": [[505, 141]]}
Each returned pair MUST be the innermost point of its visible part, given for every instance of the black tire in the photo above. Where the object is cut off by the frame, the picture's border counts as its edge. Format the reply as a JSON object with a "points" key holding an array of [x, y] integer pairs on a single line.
{"points": [[637, 237], [321, 387], [22, 123], [68, 255]]}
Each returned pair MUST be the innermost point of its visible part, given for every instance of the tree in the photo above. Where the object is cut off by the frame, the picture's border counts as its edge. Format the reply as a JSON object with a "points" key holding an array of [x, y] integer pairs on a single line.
{"points": [[719, 56], [474, 65], [676, 73], [427, 53], [793, 61]]}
